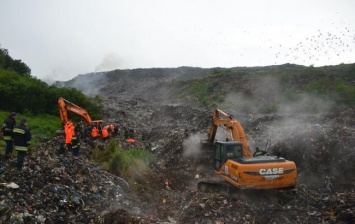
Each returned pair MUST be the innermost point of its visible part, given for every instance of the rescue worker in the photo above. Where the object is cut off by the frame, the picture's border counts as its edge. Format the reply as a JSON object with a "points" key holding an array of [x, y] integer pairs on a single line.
{"points": [[22, 139], [94, 132], [8, 126], [259, 152], [68, 134], [105, 133], [80, 130], [75, 144]]}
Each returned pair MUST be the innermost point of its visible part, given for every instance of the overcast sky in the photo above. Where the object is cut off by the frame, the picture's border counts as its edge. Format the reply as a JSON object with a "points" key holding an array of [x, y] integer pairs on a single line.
{"points": [[60, 39]]}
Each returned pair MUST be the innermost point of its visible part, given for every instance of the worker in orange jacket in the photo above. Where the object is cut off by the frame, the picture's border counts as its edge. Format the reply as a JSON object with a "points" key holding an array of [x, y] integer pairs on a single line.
{"points": [[105, 133], [68, 134], [94, 132]]}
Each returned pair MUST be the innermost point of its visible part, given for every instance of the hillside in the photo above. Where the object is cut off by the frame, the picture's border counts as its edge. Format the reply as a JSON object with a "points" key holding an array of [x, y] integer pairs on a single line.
{"points": [[307, 113], [215, 86]]}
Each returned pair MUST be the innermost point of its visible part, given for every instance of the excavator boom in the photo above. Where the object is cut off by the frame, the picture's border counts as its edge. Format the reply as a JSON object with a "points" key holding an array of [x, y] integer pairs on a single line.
{"points": [[235, 129], [65, 106]]}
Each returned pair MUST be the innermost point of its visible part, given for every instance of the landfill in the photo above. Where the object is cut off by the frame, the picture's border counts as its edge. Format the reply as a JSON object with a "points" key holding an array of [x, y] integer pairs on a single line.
{"points": [[56, 187]]}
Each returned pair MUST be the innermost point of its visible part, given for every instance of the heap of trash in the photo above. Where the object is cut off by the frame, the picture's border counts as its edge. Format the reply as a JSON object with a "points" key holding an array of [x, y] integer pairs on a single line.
{"points": [[60, 188]]}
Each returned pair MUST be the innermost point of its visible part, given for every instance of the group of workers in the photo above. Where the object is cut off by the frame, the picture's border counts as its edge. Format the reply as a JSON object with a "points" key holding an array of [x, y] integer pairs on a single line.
{"points": [[106, 131], [73, 134], [16, 137], [19, 137]]}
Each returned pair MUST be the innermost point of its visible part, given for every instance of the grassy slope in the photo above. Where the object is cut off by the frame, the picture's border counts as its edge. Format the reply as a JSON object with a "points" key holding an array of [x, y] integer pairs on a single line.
{"points": [[41, 126], [336, 82]]}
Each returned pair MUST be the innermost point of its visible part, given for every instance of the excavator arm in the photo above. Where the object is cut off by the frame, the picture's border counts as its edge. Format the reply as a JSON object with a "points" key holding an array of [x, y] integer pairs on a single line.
{"points": [[220, 118], [65, 106]]}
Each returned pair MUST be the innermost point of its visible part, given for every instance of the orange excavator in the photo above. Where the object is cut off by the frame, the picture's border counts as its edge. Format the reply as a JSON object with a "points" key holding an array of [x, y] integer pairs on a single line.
{"points": [[65, 106], [233, 160]]}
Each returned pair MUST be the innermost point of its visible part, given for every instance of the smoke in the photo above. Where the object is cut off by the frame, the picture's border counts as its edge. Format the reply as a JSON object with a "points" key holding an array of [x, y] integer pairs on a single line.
{"points": [[257, 95], [307, 104], [110, 62], [50, 78], [304, 128], [89, 84], [192, 146], [265, 96]]}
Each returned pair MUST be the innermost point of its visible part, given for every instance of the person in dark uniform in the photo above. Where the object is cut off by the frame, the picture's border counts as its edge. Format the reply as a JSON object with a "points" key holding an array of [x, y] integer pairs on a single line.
{"points": [[7, 128], [22, 139], [75, 145]]}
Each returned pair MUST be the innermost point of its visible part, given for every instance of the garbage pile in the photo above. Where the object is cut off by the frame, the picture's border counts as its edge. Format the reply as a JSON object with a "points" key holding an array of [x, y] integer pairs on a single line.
{"points": [[58, 188], [298, 206], [321, 145]]}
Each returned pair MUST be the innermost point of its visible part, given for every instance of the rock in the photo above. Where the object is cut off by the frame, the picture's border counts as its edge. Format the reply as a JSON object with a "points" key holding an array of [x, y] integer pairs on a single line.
{"points": [[10, 185], [202, 205]]}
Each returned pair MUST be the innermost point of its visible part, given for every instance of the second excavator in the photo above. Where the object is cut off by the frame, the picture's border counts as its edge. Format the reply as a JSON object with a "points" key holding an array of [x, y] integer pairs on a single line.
{"points": [[233, 160], [65, 106]]}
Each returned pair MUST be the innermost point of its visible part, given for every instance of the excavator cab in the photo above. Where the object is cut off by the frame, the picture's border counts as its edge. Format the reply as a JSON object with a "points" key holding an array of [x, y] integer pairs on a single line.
{"points": [[224, 150]]}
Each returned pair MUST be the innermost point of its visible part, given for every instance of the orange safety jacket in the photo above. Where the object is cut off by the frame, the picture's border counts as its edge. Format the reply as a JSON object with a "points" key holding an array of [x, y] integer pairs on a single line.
{"points": [[131, 140], [94, 132], [105, 132], [68, 132]]}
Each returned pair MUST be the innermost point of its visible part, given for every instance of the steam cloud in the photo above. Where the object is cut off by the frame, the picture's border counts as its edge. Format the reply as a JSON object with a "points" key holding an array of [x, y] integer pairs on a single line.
{"points": [[300, 129], [110, 62], [192, 146], [51, 78]]}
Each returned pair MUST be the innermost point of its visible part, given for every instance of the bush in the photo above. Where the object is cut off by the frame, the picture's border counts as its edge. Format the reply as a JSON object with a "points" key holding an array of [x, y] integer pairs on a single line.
{"points": [[207, 93], [132, 165], [345, 92], [320, 86]]}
